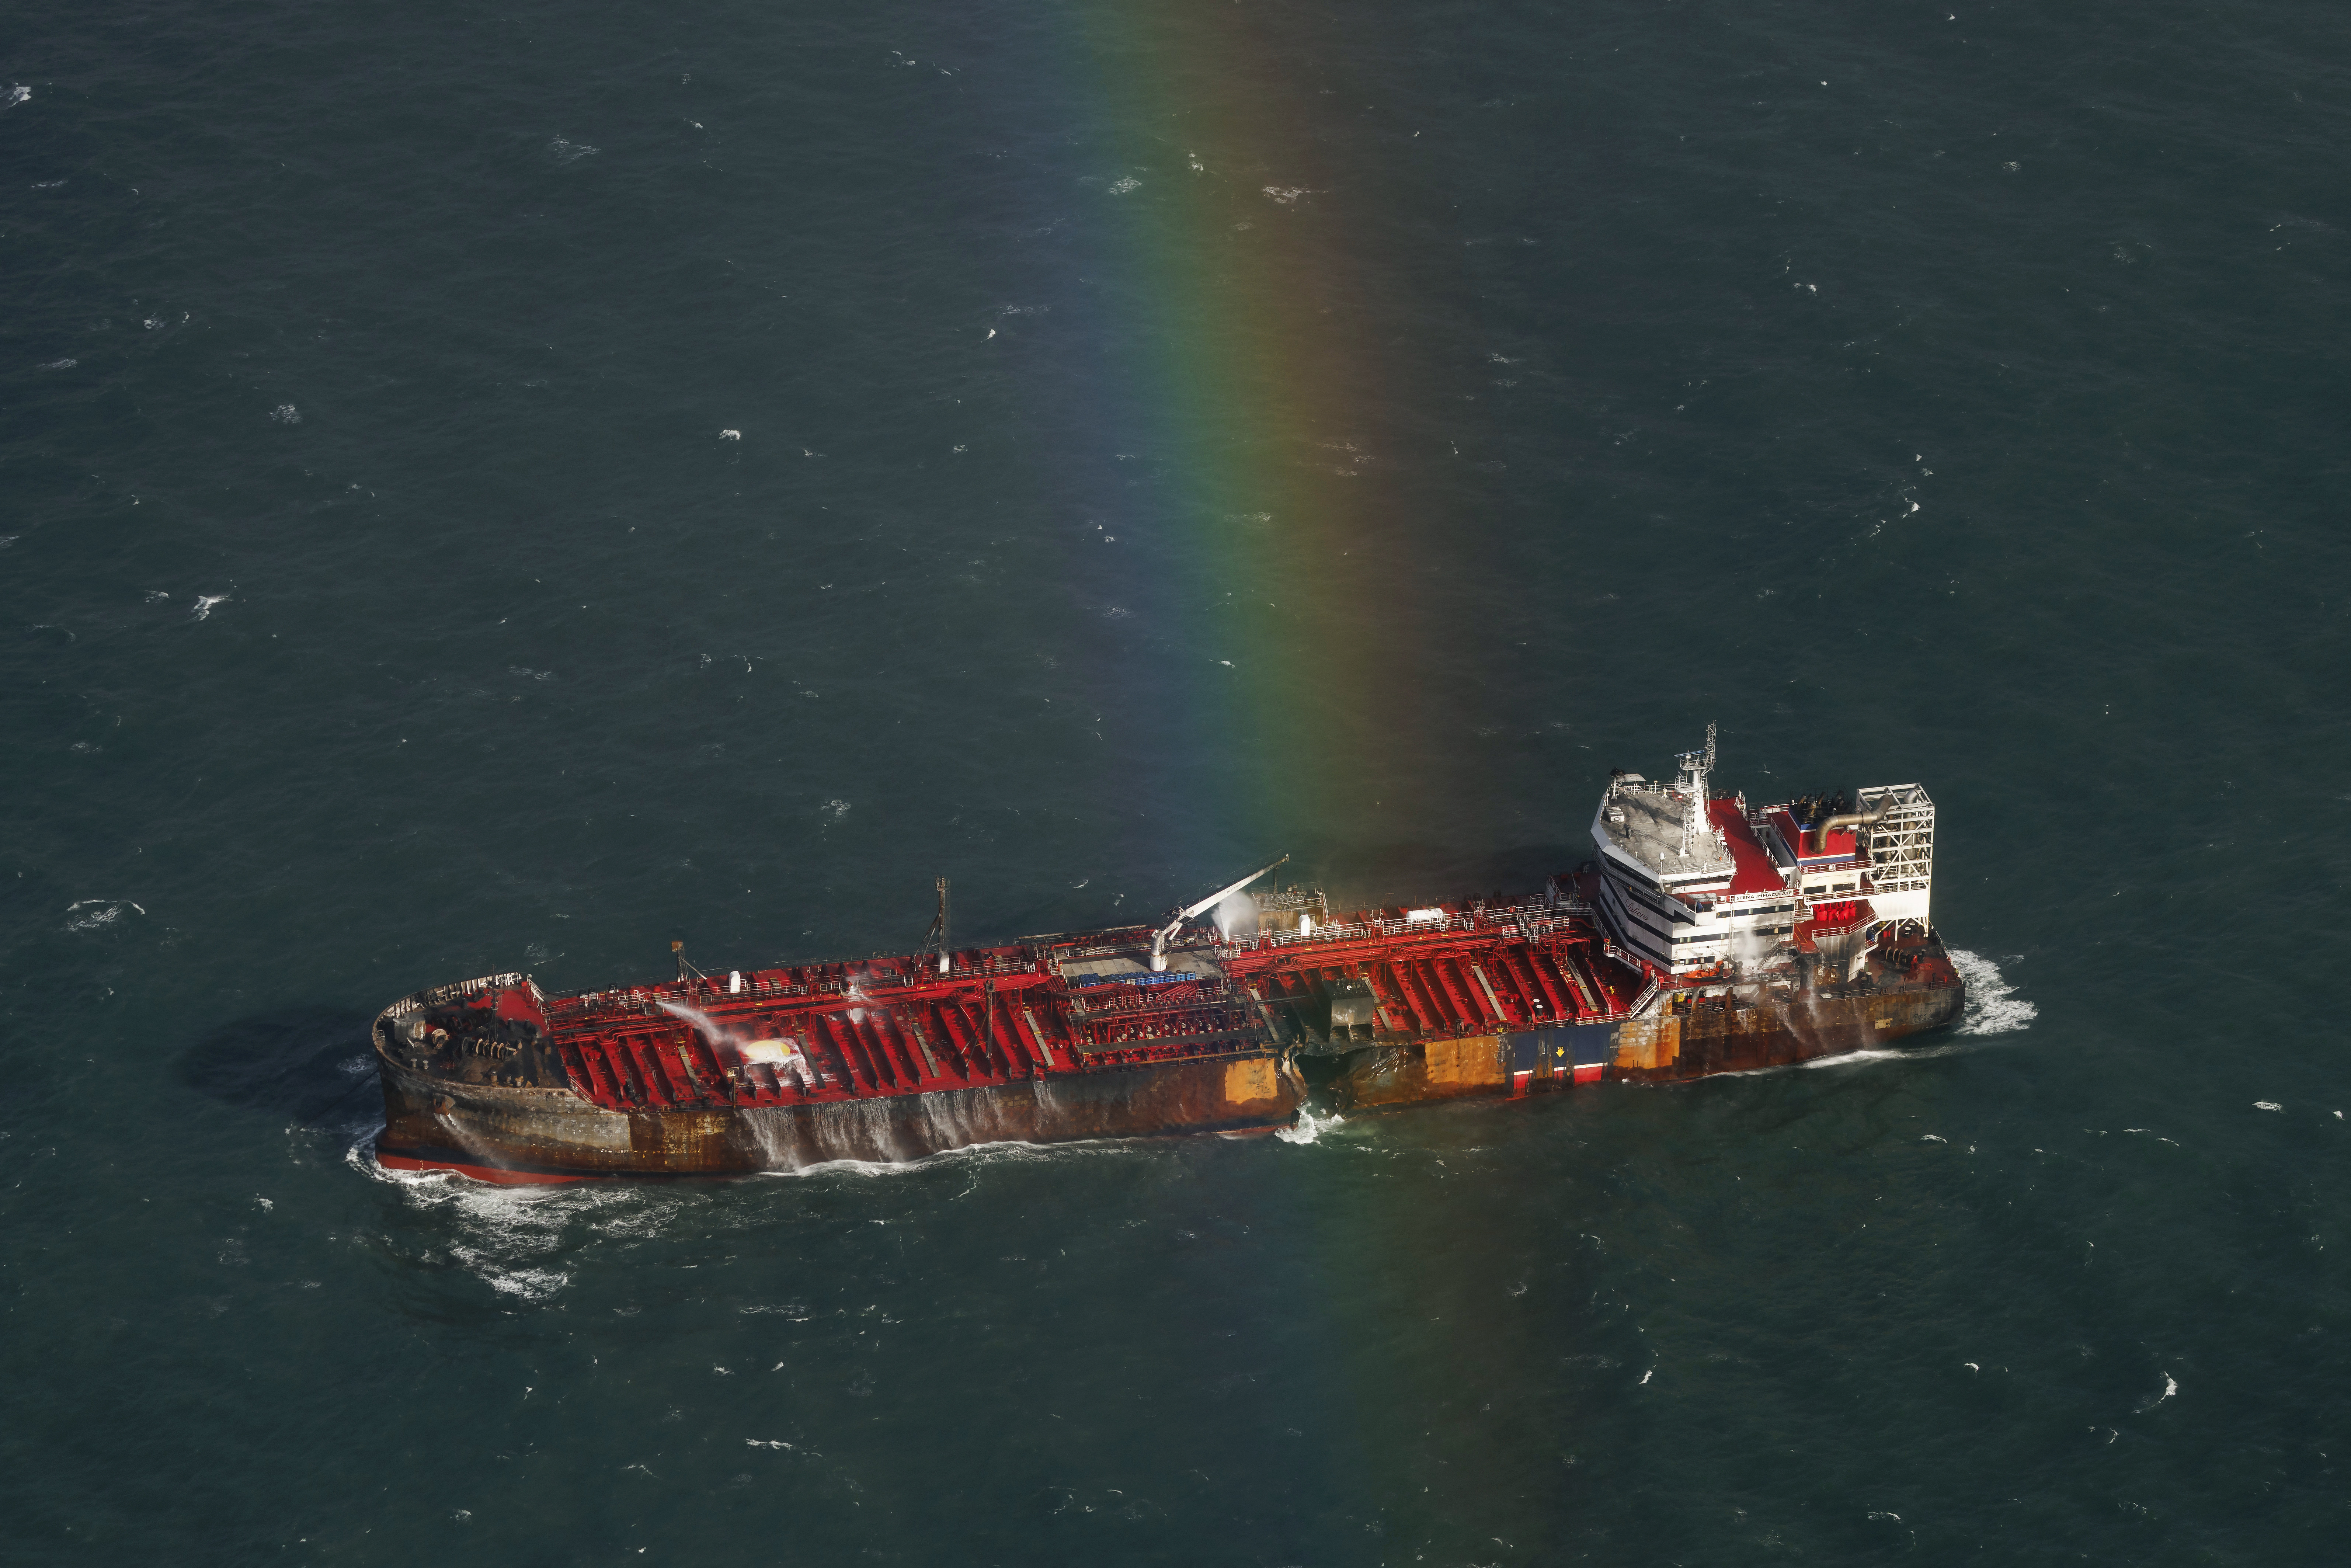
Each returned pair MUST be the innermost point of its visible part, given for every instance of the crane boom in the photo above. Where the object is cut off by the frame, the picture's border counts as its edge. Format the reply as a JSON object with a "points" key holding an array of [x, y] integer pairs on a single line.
{"points": [[1159, 942]]}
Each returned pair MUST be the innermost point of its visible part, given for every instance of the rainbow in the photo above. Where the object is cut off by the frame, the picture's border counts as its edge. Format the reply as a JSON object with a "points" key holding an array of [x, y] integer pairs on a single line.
{"points": [[1251, 377]]}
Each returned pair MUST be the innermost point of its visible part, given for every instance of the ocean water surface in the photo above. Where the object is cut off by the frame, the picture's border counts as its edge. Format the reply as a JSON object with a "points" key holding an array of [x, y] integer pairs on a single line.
{"points": [[491, 489]]}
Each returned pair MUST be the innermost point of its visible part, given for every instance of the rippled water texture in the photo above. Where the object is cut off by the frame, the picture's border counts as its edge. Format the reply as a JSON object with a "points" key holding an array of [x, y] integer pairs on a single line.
{"points": [[487, 489]]}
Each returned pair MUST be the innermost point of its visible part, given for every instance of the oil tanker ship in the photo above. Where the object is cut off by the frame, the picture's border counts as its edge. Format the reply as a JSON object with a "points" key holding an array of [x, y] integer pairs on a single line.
{"points": [[1707, 935]]}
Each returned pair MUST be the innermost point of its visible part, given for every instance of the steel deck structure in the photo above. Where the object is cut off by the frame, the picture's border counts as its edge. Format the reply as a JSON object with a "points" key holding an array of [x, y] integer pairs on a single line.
{"points": [[897, 1026]]}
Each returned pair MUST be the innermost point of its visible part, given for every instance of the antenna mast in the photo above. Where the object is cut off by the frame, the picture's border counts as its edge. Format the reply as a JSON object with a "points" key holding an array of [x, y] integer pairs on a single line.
{"points": [[936, 939], [1697, 832]]}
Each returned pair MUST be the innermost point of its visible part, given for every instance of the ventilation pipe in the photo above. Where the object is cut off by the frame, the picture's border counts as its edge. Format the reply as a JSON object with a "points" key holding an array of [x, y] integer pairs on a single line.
{"points": [[1845, 820]]}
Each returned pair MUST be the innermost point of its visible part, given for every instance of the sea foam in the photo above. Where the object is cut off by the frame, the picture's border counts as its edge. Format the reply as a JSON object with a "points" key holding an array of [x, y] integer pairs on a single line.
{"points": [[1993, 1006], [1308, 1128], [518, 1239]]}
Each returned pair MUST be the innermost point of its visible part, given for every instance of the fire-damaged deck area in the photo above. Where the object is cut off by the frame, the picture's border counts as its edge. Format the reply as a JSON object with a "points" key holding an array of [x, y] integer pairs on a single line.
{"points": [[1439, 974]]}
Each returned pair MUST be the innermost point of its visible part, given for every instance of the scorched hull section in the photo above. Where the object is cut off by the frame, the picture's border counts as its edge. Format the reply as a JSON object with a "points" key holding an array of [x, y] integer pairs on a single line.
{"points": [[500, 1133]]}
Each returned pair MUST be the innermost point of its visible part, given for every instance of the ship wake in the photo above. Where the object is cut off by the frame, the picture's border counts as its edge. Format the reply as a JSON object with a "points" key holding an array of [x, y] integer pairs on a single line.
{"points": [[517, 1239], [969, 1155], [1993, 1006]]}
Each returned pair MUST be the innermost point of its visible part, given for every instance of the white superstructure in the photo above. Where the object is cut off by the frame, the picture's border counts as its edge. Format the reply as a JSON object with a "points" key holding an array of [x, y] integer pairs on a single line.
{"points": [[1690, 880]]}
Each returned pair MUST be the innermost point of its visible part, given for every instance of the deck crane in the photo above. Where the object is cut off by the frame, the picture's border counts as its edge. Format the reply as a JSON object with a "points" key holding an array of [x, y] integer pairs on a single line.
{"points": [[1159, 942]]}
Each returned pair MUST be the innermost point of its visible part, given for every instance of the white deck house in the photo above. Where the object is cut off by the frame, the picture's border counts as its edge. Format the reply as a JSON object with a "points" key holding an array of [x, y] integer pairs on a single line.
{"points": [[1690, 881]]}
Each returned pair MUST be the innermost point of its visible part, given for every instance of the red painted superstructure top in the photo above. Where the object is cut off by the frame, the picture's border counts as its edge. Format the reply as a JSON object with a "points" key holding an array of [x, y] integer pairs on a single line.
{"points": [[1837, 846], [1058, 1006], [1752, 871]]}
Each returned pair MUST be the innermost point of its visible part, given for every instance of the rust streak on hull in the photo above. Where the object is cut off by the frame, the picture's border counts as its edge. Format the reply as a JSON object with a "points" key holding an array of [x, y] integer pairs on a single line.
{"points": [[552, 1135]]}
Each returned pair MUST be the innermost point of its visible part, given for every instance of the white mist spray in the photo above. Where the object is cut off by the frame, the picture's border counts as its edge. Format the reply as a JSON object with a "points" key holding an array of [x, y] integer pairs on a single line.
{"points": [[1237, 916], [717, 1033], [1748, 950]]}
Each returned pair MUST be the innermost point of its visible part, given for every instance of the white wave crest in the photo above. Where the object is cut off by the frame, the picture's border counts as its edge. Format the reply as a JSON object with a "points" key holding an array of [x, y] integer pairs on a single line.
{"points": [[1993, 1006], [90, 914], [516, 1240], [1308, 1127], [969, 1155], [530, 1284]]}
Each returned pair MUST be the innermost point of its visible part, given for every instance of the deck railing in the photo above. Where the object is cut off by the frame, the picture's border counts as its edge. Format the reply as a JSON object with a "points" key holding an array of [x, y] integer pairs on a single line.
{"points": [[646, 1000], [1534, 921], [1212, 993]]}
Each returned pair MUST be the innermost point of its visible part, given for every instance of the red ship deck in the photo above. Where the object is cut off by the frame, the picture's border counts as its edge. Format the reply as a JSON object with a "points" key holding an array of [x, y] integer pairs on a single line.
{"points": [[1028, 1011]]}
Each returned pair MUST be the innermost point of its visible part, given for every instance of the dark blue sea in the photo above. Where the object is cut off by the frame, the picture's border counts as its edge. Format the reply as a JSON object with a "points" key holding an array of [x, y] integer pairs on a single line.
{"points": [[511, 487]]}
